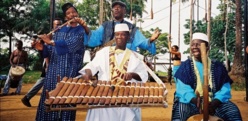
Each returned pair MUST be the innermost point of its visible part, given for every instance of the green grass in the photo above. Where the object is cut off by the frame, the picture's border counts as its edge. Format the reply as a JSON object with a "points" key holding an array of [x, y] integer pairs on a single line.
{"points": [[29, 76], [160, 73], [239, 84]]}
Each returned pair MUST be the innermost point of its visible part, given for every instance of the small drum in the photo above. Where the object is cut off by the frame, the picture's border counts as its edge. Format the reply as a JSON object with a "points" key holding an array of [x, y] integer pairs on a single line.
{"points": [[16, 74]]}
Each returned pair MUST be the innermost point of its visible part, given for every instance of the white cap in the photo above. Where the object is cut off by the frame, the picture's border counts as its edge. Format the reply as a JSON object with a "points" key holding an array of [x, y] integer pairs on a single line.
{"points": [[121, 27], [200, 36]]}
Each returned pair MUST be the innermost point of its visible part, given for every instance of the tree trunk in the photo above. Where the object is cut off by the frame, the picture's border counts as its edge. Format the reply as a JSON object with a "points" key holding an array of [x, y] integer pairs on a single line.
{"points": [[179, 23], [191, 19], [209, 22], [225, 34], [169, 72], [237, 68], [52, 13], [101, 12]]}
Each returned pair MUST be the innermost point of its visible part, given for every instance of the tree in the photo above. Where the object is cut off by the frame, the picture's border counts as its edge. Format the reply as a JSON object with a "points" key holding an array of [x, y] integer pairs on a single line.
{"points": [[24, 17], [217, 39], [88, 9], [10, 12], [161, 42], [135, 8], [238, 68]]}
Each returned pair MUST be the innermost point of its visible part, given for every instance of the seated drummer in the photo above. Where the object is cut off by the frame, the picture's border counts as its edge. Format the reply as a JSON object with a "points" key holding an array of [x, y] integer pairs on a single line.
{"points": [[108, 61]]}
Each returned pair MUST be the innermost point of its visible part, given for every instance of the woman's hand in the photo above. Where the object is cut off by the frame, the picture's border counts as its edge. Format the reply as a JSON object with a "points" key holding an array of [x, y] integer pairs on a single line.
{"points": [[81, 21], [45, 38]]}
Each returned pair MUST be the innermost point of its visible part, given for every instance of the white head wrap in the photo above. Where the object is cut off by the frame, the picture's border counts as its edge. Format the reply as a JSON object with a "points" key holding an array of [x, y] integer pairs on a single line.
{"points": [[200, 36], [121, 27]]}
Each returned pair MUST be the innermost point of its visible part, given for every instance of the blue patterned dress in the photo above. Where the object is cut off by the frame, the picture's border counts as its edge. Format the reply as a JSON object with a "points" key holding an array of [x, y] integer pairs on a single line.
{"points": [[66, 59]]}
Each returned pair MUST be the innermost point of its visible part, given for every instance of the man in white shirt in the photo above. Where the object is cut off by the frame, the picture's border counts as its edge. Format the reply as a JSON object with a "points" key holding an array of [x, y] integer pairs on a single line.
{"points": [[108, 62]]}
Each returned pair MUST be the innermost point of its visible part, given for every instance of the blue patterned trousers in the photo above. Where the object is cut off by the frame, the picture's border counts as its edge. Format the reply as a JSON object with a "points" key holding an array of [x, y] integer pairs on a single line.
{"points": [[227, 111]]}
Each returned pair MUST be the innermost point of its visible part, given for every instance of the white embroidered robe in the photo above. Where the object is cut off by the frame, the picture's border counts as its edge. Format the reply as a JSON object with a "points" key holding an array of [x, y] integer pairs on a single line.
{"points": [[101, 63]]}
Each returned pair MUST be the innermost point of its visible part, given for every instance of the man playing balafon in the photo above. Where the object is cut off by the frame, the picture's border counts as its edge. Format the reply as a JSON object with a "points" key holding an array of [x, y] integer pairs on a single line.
{"points": [[108, 62]]}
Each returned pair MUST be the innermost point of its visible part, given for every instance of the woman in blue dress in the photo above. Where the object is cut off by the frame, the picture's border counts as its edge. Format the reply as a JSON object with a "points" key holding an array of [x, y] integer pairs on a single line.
{"points": [[66, 52]]}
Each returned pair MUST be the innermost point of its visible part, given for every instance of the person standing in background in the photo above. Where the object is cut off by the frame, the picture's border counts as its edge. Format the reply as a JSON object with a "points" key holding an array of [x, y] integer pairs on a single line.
{"points": [[175, 57], [105, 32], [39, 83]]}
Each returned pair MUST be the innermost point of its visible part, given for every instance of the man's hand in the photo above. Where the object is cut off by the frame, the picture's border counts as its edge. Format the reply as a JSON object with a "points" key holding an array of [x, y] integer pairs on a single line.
{"points": [[86, 77], [13, 65], [155, 35], [194, 101], [213, 106], [127, 76]]}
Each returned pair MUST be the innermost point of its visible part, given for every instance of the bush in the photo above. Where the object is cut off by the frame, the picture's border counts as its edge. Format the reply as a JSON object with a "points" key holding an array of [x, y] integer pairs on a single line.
{"points": [[4, 65]]}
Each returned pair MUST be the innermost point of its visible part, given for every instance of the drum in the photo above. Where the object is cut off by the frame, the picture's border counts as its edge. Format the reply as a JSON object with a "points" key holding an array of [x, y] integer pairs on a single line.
{"points": [[16, 74]]}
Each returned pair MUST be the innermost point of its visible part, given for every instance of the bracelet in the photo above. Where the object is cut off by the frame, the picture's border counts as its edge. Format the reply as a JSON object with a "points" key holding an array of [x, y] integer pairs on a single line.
{"points": [[51, 42]]}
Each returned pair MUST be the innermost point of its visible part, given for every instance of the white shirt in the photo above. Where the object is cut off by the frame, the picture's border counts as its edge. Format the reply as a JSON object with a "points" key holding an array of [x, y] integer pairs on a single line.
{"points": [[101, 63]]}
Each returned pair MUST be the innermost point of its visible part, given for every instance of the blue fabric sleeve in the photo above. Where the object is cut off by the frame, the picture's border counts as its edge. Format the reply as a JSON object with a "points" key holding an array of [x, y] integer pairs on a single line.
{"points": [[61, 47], [95, 37], [45, 52], [224, 94], [143, 43], [184, 92], [86, 37]]}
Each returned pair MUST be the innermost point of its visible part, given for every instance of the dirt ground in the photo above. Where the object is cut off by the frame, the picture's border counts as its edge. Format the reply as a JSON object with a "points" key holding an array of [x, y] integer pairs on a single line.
{"points": [[11, 108]]}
